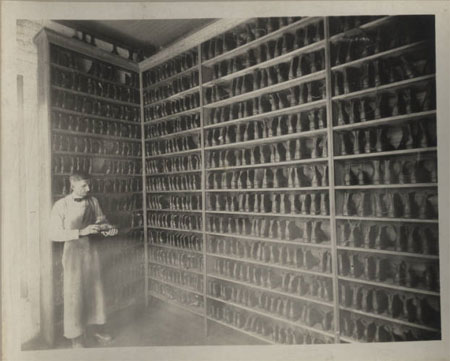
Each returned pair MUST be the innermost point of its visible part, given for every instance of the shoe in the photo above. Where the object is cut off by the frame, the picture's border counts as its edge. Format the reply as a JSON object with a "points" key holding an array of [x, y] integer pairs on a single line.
{"points": [[103, 337], [77, 342]]}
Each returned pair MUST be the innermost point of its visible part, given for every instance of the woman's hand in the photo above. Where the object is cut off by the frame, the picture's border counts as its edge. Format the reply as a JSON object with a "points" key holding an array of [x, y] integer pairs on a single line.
{"points": [[112, 232]]}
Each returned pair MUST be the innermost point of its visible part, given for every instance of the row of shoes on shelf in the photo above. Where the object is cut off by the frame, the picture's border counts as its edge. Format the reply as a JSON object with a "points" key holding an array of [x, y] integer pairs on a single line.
{"points": [[179, 259], [175, 202], [171, 107], [171, 145], [174, 183], [184, 279], [175, 221], [173, 164], [289, 230], [167, 90], [315, 203], [176, 239], [170, 126]]}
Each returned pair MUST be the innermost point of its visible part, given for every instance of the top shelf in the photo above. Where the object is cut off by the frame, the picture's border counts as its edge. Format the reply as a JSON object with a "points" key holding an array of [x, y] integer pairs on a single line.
{"points": [[259, 41]]}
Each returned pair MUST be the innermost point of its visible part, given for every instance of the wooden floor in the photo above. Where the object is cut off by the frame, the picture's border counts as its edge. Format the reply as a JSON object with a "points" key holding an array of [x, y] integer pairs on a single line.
{"points": [[161, 325]]}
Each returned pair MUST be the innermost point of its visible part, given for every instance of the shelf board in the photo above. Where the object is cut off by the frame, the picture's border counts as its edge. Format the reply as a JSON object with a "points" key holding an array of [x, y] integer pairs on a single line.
{"points": [[273, 113], [386, 219], [261, 214], [388, 120], [270, 265], [390, 52], [284, 57], [93, 175], [389, 319], [260, 40], [390, 285], [175, 210], [388, 186], [241, 330], [176, 304], [274, 290], [268, 89], [94, 135], [263, 239], [269, 139], [175, 96], [369, 25], [182, 152], [170, 78], [174, 248], [92, 116], [267, 314], [271, 164], [347, 339], [179, 191], [380, 88], [77, 71], [175, 285], [96, 155], [320, 188], [184, 112], [388, 252], [175, 229], [171, 173], [197, 272], [93, 96], [386, 153], [175, 134]]}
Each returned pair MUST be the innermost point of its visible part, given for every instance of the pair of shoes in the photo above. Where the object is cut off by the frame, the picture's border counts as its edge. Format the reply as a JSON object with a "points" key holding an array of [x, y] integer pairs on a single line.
{"points": [[77, 342], [102, 337]]}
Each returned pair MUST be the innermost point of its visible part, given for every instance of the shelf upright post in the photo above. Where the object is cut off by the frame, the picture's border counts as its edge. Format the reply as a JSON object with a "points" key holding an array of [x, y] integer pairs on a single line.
{"points": [[203, 182], [144, 186], [333, 230]]}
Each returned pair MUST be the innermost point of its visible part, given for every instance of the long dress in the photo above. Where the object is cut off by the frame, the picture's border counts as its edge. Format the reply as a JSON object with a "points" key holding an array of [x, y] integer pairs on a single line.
{"points": [[84, 302]]}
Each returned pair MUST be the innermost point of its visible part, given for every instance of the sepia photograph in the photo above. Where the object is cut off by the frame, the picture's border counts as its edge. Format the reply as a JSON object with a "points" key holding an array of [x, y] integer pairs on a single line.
{"points": [[253, 181]]}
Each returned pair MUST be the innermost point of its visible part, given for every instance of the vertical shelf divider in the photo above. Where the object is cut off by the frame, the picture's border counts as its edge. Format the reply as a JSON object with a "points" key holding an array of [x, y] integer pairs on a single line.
{"points": [[333, 230], [203, 183], [144, 187]]}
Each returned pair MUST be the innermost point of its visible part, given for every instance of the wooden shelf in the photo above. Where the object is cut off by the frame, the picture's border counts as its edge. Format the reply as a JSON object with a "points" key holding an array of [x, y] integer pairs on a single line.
{"points": [[175, 229], [260, 40], [175, 134], [182, 152], [274, 61], [273, 113], [176, 304], [271, 265], [270, 290], [261, 214], [347, 339], [275, 317], [388, 252], [390, 285], [386, 153], [175, 285], [197, 272], [174, 248], [382, 54], [171, 173], [271, 240], [386, 121], [94, 135], [319, 75], [93, 96], [386, 219], [93, 175], [96, 155], [268, 189], [390, 319], [175, 96], [176, 210], [269, 139], [241, 330], [184, 112], [271, 164], [170, 78], [92, 116], [380, 88], [388, 186]]}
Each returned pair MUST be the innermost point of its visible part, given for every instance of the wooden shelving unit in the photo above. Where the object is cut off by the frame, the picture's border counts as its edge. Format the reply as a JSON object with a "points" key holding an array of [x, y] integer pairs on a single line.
{"points": [[292, 108]]}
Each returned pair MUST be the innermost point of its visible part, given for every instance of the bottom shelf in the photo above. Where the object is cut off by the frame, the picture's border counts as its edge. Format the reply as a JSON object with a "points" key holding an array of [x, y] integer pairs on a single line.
{"points": [[270, 342], [186, 308]]}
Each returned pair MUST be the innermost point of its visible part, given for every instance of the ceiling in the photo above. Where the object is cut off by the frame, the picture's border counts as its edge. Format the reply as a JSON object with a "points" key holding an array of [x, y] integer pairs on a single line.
{"points": [[150, 36]]}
